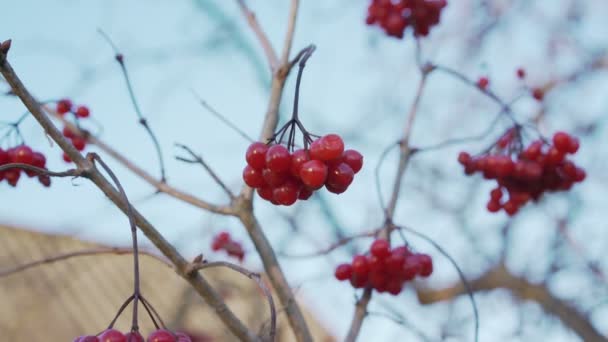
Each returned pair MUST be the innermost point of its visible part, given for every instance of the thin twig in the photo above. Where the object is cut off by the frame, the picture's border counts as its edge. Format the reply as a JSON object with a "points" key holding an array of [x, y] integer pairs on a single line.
{"points": [[199, 160], [221, 117], [86, 252], [198, 266], [141, 119], [463, 278], [271, 56]]}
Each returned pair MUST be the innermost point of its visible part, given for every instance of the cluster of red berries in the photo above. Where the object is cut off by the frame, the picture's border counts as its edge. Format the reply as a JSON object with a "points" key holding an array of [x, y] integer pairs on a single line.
{"points": [[385, 269], [224, 241], [394, 16], [113, 335], [282, 177], [65, 106], [539, 168], [25, 155]]}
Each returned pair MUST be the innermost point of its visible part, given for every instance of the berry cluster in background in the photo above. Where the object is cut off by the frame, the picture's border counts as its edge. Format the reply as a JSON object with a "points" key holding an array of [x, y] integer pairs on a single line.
{"points": [[223, 241], [113, 335], [65, 106], [385, 269], [394, 16], [25, 155], [282, 177], [525, 174]]}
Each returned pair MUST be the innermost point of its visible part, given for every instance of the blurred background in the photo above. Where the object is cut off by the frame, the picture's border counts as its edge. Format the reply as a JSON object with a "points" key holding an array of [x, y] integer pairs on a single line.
{"points": [[360, 84]]}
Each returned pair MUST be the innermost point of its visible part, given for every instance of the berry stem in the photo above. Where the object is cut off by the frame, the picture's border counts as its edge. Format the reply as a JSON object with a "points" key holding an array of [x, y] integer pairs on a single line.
{"points": [[306, 54], [136, 286]]}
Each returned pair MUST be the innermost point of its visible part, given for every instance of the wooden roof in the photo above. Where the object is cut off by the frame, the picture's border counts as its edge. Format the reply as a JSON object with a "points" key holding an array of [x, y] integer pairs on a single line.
{"points": [[59, 301]]}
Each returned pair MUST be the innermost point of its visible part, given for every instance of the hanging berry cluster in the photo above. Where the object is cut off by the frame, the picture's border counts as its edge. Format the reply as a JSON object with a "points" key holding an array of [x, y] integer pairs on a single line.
{"points": [[394, 16], [385, 269], [525, 174], [113, 335], [224, 241], [282, 176], [25, 155], [65, 106]]}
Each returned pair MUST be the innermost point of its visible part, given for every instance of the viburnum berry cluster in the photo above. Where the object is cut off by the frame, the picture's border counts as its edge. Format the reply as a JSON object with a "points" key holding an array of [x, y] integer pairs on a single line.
{"points": [[224, 241], [525, 174], [394, 16], [25, 155], [113, 335], [282, 177], [385, 269], [65, 106]]}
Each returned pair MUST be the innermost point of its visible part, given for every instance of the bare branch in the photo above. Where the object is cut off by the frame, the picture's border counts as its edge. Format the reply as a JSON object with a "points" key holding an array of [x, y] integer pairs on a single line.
{"points": [[271, 56], [86, 252], [199, 160], [201, 265], [499, 277]]}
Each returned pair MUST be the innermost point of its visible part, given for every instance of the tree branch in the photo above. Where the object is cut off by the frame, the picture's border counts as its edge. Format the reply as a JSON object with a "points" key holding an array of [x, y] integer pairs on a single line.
{"points": [[499, 277]]}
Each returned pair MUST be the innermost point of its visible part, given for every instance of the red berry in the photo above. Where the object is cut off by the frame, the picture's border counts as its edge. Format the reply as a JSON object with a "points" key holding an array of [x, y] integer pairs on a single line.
{"points": [[82, 112], [112, 335], [521, 73], [561, 141], [313, 174], [86, 339], [253, 177], [44, 180], [266, 193], [354, 159], [64, 106], [286, 194], [411, 267], [343, 272], [38, 160], [511, 207], [340, 176], [328, 147], [394, 287], [21, 154], [274, 179], [161, 335], [574, 145], [182, 337], [580, 175], [380, 248], [12, 176], [360, 265], [223, 237], [278, 158], [334, 189], [256, 155], [305, 193], [394, 263], [358, 281], [66, 158], [68, 133], [483, 82], [493, 206], [426, 264], [538, 94], [134, 337], [464, 158], [79, 143], [298, 158]]}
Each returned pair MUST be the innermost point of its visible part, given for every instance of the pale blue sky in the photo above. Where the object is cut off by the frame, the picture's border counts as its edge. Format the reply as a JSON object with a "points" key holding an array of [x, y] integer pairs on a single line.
{"points": [[359, 84]]}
